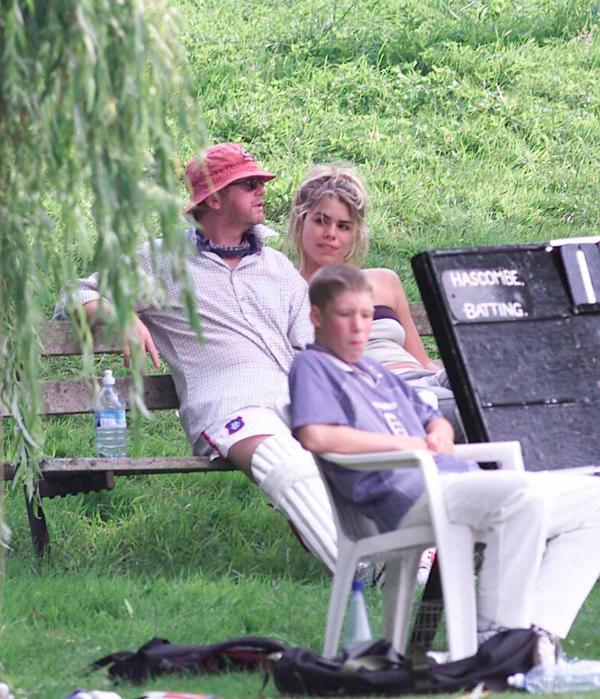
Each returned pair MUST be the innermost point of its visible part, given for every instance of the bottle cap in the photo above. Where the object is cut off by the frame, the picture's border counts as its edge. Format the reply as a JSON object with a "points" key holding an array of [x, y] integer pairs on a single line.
{"points": [[108, 379], [358, 585], [517, 680]]}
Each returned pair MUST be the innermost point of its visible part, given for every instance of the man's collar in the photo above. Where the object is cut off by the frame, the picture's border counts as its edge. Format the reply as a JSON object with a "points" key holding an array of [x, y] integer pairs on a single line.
{"points": [[250, 244]]}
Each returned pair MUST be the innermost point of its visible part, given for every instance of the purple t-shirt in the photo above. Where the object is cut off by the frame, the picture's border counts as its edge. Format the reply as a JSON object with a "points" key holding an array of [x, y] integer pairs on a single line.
{"points": [[326, 391]]}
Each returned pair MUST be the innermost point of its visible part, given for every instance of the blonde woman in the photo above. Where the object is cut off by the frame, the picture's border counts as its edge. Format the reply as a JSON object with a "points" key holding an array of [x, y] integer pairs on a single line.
{"points": [[327, 225]]}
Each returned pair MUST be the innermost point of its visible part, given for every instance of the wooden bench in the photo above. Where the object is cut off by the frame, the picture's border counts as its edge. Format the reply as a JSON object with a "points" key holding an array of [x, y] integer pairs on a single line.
{"points": [[66, 476]]}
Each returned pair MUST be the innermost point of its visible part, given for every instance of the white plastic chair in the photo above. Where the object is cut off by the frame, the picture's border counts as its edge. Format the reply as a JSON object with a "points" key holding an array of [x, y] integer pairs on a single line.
{"points": [[359, 540]]}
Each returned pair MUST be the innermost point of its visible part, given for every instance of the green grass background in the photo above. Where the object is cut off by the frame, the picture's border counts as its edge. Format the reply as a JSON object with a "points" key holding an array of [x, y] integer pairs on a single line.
{"points": [[473, 122]]}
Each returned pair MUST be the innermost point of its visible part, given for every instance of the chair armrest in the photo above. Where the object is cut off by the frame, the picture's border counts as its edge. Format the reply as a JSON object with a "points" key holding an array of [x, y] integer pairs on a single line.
{"points": [[507, 454], [378, 460]]}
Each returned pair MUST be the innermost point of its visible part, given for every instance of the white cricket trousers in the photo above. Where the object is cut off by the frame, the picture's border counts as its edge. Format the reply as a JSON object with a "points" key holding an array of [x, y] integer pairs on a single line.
{"points": [[542, 536]]}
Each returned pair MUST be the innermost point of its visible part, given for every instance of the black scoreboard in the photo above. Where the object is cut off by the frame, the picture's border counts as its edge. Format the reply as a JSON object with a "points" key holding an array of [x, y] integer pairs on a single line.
{"points": [[518, 329]]}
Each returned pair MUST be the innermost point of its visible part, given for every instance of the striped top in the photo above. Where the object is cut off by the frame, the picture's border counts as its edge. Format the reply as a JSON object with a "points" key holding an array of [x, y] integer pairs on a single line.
{"points": [[254, 318]]}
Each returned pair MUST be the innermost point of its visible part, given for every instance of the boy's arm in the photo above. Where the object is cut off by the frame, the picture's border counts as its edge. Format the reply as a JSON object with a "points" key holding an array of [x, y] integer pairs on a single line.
{"points": [[343, 439], [440, 436]]}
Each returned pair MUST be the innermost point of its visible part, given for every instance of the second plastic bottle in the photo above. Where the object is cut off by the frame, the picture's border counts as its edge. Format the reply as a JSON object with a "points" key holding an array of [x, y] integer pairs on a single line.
{"points": [[357, 628]]}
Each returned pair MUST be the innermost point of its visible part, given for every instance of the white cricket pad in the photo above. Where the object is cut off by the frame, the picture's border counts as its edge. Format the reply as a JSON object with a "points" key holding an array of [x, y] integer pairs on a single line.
{"points": [[289, 477]]}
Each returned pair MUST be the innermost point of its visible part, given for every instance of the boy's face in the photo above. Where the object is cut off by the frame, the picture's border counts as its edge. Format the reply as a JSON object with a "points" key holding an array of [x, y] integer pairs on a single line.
{"points": [[343, 326]]}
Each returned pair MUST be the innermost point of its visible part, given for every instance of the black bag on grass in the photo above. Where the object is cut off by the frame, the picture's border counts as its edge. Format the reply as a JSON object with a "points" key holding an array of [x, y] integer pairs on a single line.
{"points": [[160, 657], [372, 668], [375, 668], [503, 655]]}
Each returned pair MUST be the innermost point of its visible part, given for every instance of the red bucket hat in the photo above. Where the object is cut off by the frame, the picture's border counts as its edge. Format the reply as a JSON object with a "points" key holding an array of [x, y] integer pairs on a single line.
{"points": [[221, 165]]}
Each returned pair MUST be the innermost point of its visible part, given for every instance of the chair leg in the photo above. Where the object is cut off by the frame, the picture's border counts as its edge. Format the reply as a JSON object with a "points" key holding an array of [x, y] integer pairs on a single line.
{"points": [[458, 588], [401, 576], [340, 591]]}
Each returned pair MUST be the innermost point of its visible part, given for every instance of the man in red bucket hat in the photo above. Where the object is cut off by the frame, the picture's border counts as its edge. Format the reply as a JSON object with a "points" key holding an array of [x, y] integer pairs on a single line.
{"points": [[253, 305], [222, 165]]}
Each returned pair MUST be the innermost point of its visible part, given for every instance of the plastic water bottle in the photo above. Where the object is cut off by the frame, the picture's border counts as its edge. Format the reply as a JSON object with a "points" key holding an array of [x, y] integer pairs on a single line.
{"points": [[111, 427], [565, 676], [357, 629]]}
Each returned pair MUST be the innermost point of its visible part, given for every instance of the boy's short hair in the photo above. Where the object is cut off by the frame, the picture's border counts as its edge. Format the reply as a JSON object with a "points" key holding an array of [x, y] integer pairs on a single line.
{"points": [[329, 282]]}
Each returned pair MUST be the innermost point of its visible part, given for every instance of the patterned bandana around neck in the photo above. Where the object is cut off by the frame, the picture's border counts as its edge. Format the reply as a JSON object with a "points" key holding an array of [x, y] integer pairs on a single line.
{"points": [[249, 245]]}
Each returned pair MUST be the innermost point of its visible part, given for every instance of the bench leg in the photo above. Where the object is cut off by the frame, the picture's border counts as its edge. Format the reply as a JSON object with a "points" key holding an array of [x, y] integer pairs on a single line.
{"points": [[37, 525]]}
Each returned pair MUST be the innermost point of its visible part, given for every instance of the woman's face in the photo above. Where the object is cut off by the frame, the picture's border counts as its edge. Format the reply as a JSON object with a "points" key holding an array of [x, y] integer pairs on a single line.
{"points": [[327, 234]]}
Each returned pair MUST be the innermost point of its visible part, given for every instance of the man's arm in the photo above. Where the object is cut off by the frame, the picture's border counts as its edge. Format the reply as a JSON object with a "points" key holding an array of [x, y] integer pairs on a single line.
{"points": [[349, 440], [300, 330], [138, 333], [86, 292]]}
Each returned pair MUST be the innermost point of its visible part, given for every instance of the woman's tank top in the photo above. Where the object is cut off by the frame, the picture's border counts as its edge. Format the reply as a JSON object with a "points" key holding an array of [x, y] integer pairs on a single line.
{"points": [[386, 341]]}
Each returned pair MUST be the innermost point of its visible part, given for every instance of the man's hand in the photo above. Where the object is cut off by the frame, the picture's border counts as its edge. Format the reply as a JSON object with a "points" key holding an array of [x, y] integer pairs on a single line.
{"points": [[440, 436], [140, 335]]}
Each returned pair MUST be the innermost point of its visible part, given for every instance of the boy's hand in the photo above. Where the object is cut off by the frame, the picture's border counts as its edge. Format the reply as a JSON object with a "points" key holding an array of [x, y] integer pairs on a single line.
{"points": [[406, 443], [440, 436]]}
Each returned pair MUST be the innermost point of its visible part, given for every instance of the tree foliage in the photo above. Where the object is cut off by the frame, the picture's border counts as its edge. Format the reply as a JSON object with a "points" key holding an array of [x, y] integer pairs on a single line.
{"points": [[91, 93]]}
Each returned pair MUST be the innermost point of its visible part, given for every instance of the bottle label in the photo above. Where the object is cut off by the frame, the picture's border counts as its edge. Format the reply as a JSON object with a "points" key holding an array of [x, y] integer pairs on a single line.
{"points": [[111, 419]]}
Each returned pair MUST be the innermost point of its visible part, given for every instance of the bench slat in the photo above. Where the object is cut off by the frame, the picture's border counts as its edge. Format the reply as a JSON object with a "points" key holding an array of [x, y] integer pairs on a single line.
{"points": [[72, 397], [420, 317], [57, 340], [126, 466]]}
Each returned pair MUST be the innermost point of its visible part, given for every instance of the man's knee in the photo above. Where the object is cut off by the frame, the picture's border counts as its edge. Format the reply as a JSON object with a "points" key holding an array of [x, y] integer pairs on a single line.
{"points": [[529, 499], [289, 477], [241, 452], [236, 436], [280, 461]]}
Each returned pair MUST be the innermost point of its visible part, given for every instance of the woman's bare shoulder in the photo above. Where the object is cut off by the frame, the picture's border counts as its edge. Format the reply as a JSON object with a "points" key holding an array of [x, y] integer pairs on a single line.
{"points": [[387, 288], [383, 277], [381, 274]]}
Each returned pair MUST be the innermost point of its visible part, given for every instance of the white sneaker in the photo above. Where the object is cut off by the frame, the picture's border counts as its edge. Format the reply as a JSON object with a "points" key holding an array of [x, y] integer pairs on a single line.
{"points": [[439, 656], [427, 559], [548, 650], [484, 634]]}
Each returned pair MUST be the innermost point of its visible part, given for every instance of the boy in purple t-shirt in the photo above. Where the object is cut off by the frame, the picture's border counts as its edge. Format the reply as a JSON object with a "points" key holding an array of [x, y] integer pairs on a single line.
{"points": [[539, 528]]}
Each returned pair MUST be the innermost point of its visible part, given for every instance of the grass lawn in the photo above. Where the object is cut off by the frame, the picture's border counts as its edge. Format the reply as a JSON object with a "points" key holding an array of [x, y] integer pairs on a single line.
{"points": [[125, 569], [473, 123]]}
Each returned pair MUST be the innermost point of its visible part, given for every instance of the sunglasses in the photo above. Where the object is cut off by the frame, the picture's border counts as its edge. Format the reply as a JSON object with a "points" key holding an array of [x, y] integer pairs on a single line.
{"points": [[250, 183]]}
